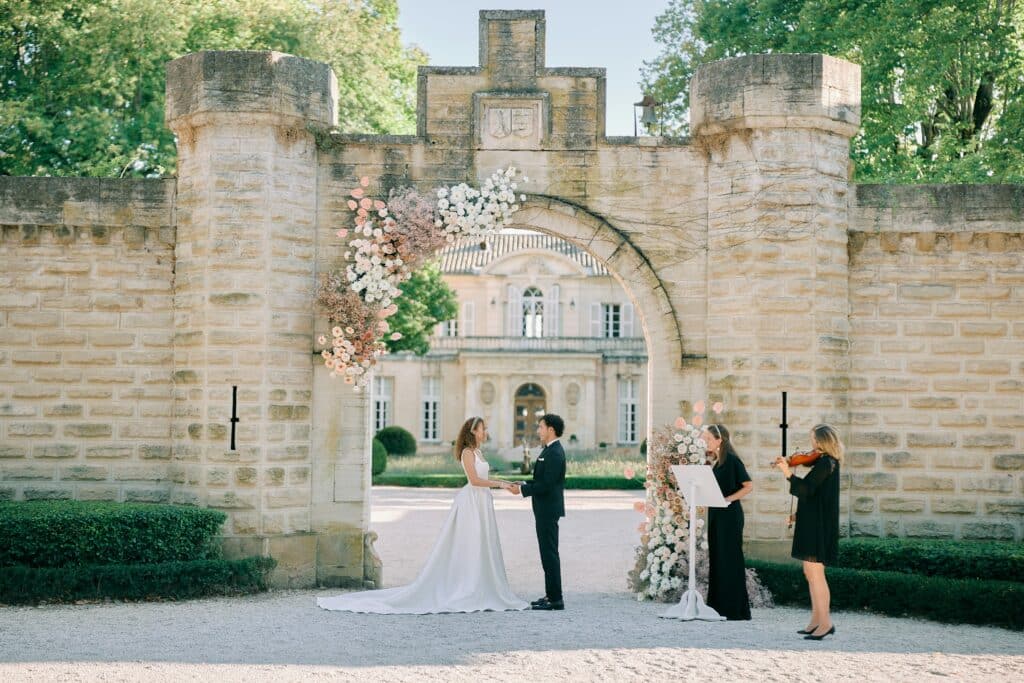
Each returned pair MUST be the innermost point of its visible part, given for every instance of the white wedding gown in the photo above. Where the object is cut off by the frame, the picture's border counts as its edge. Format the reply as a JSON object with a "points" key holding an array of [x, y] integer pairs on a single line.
{"points": [[465, 571]]}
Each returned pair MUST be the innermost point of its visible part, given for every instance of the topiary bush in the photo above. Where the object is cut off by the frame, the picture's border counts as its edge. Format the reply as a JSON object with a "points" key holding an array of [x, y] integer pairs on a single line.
{"points": [[66, 533], [380, 457], [397, 441], [179, 580], [954, 559], [958, 601]]}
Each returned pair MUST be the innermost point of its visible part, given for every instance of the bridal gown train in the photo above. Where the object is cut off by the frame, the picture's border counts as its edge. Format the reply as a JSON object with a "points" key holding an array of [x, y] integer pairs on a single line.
{"points": [[465, 571]]}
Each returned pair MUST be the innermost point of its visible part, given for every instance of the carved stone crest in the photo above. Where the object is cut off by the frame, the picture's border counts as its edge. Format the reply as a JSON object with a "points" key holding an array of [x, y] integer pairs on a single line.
{"points": [[510, 122], [505, 121], [487, 393], [572, 393]]}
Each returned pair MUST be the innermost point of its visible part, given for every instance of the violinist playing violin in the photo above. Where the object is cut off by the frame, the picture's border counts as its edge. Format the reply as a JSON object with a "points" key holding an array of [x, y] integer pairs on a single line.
{"points": [[816, 537]]}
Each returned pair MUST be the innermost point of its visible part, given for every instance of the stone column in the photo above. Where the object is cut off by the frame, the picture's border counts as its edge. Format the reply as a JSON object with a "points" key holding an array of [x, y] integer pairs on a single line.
{"points": [[775, 130], [244, 274]]}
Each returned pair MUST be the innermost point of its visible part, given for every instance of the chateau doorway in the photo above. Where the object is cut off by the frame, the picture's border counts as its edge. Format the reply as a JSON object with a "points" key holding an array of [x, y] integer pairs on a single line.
{"points": [[529, 407]]}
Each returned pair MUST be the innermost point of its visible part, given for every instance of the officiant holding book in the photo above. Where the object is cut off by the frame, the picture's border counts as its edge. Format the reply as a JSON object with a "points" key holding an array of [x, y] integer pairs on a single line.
{"points": [[727, 581]]}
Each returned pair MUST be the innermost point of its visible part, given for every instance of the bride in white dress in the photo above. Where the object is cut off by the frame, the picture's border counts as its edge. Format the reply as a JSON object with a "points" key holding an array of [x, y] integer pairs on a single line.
{"points": [[465, 571]]}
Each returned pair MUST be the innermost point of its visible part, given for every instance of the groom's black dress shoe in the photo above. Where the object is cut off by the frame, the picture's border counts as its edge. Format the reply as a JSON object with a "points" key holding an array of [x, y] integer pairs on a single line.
{"points": [[547, 605], [544, 601]]}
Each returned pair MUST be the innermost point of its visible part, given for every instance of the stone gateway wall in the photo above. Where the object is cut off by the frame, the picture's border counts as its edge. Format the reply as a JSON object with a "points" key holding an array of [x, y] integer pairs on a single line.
{"points": [[86, 347], [937, 385], [129, 309]]}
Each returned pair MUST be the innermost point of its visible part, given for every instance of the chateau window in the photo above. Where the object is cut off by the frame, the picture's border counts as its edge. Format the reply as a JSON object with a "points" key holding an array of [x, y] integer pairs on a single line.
{"points": [[611, 320], [431, 408], [448, 328], [383, 390], [533, 313], [468, 319], [627, 411]]}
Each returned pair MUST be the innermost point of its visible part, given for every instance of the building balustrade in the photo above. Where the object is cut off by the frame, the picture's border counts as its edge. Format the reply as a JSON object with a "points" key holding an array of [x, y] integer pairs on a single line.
{"points": [[632, 347]]}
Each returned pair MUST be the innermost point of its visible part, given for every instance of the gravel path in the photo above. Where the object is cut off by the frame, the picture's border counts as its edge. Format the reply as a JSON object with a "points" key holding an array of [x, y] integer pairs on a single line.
{"points": [[603, 635]]}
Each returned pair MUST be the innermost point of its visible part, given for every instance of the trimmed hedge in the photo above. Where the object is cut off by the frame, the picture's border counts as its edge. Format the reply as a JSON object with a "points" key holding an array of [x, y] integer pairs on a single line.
{"points": [[397, 441], [454, 481], [958, 601], [178, 580], [380, 458], [75, 533], [953, 559]]}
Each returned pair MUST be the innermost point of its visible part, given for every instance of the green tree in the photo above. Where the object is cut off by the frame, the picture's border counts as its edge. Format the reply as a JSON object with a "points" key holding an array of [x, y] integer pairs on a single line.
{"points": [[942, 80], [426, 300], [82, 81]]}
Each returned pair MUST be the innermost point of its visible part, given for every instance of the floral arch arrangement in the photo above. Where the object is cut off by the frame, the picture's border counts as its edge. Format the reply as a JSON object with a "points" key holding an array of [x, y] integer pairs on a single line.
{"points": [[387, 242]]}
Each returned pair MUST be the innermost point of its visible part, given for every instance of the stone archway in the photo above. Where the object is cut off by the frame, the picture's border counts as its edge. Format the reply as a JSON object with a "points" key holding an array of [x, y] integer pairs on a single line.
{"points": [[263, 177], [638, 278]]}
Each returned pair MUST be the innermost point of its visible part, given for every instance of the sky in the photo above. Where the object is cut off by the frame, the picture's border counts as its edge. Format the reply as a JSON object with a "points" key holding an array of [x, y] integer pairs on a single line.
{"points": [[583, 33]]}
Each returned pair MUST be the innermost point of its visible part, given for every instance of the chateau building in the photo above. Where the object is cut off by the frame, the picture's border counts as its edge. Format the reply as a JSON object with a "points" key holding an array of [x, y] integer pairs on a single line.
{"points": [[542, 326]]}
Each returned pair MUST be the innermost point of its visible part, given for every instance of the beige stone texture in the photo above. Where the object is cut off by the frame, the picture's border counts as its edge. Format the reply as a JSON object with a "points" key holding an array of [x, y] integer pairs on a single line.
{"points": [[130, 308]]}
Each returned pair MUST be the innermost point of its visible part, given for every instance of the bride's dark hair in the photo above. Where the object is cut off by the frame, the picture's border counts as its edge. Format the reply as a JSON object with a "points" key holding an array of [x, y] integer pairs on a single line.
{"points": [[467, 439]]}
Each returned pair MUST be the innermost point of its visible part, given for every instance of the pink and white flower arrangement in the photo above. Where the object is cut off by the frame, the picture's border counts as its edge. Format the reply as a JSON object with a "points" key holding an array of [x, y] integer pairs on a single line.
{"points": [[662, 568], [661, 561], [386, 243]]}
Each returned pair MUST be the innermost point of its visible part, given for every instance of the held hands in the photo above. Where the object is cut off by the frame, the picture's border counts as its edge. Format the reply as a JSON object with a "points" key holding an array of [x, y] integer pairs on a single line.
{"points": [[511, 487]]}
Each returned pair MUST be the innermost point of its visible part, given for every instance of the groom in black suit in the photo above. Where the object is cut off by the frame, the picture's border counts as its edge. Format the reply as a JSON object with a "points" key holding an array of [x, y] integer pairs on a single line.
{"points": [[548, 493]]}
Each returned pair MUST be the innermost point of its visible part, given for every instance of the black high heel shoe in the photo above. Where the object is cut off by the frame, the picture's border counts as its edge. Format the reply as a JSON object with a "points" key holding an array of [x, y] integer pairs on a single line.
{"points": [[809, 631], [826, 633]]}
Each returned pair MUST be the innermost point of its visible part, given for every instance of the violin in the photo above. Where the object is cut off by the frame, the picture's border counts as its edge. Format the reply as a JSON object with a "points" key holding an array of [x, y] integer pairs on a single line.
{"points": [[808, 458]]}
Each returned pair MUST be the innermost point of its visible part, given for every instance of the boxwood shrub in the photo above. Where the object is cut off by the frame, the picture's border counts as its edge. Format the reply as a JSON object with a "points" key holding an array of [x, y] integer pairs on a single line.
{"points": [[177, 580], [397, 441], [953, 559], [959, 601], [380, 457], [75, 533]]}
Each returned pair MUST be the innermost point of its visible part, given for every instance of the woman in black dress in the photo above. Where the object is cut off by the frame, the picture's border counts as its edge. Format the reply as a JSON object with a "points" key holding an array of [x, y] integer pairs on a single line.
{"points": [[816, 537], [727, 582]]}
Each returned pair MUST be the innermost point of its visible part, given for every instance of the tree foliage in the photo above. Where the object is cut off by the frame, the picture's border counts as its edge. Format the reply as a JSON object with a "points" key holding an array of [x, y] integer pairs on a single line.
{"points": [[942, 80], [82, 81], [426, 301]]}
